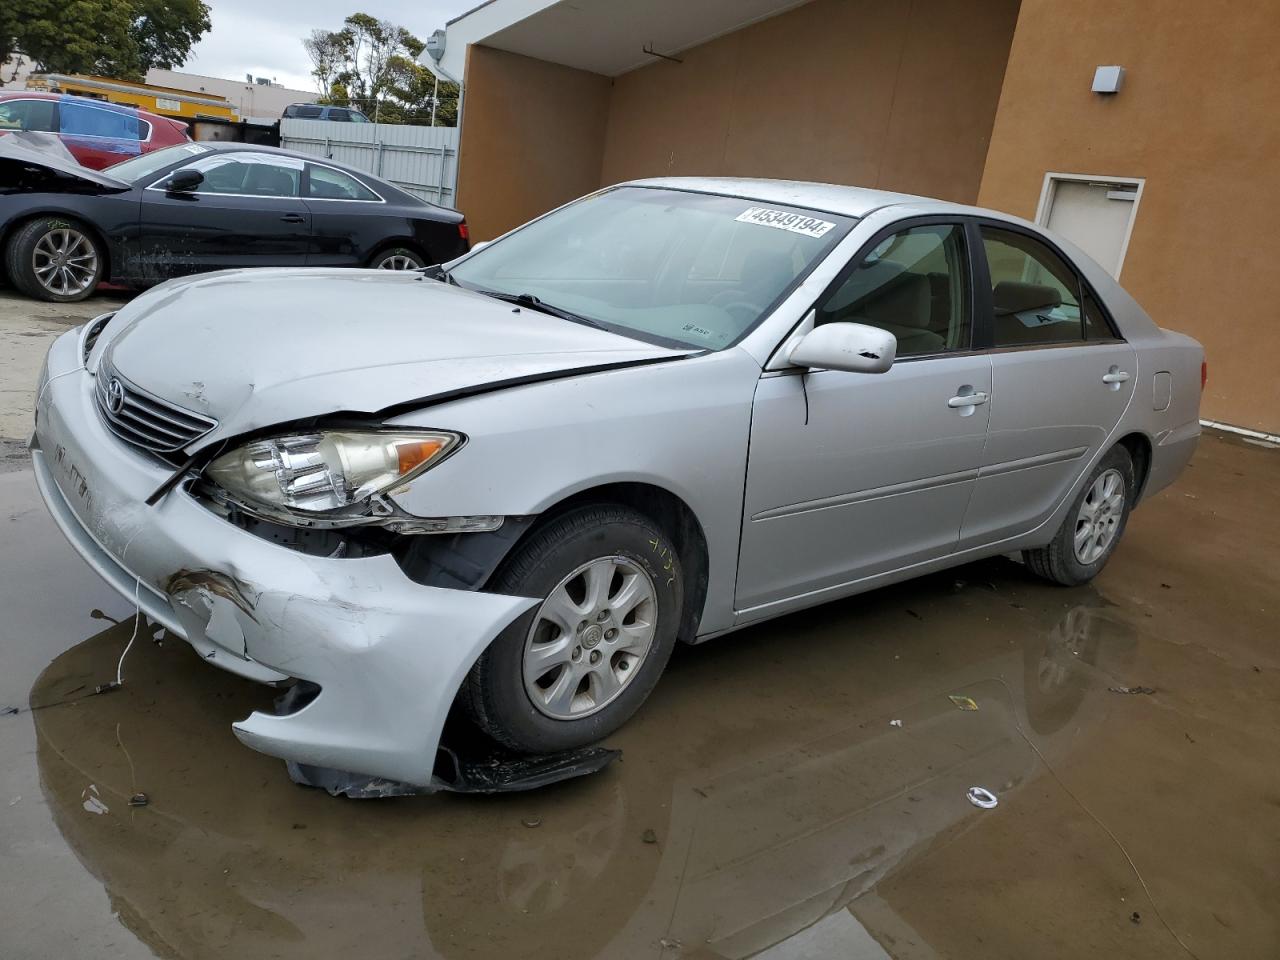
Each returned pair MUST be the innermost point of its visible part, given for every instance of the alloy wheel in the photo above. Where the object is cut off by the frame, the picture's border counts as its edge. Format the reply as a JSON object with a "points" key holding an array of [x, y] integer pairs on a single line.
{"points": [[398, 261], [65, 262], [1099, 517], [589, 638]]}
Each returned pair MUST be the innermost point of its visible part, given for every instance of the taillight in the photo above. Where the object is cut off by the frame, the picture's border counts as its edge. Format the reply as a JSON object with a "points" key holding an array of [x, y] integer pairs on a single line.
{"points": [[1204, 374], [463, 232]]}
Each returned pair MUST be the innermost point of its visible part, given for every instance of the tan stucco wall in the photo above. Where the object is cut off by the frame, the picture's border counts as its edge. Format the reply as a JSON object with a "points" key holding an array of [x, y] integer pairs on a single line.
{"points": [[893, 95], [1197, 117], [900, 96], [532, 138]]}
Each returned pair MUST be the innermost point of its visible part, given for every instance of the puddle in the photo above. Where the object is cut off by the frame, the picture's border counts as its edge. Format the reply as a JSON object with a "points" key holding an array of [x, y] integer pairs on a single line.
{"points": [[766, 805]]}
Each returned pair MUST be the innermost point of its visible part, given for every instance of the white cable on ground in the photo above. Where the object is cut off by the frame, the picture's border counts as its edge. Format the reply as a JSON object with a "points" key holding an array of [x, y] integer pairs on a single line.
{"points": [[137, 621]]}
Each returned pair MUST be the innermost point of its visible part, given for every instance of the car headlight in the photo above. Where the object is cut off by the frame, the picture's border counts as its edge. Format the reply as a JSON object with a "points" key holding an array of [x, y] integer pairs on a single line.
{"points": [[330, 474]]}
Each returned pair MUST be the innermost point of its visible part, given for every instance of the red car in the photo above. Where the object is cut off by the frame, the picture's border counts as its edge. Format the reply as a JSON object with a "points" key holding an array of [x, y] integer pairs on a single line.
{"points": [[97, 133]]}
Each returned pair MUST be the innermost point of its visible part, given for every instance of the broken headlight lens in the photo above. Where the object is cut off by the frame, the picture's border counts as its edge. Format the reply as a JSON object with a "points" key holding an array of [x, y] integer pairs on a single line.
{"points": [[328, 472]]}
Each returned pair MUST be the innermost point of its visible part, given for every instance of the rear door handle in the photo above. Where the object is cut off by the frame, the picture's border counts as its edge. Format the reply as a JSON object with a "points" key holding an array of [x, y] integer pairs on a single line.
{"points": [[968, 400], [1115, 376], [299, 218]]}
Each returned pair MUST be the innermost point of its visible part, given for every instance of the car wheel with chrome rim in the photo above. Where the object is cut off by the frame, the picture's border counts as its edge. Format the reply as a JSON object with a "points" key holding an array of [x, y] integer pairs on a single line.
{"points": [[1093, 525], [54, 259], [573, 669]]}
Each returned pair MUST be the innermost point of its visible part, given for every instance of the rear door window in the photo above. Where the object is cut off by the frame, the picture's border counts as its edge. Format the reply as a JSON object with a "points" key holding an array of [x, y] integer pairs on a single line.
{"points": [[83, 120], [28, 115], [1035, 295]]}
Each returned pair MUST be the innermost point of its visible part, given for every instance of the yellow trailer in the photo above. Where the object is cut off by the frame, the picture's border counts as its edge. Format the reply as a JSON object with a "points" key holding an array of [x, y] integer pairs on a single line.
{"points": [[166, 101]]}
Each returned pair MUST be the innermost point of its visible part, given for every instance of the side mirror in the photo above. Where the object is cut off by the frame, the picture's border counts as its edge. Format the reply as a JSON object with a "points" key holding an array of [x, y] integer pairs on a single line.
{"points": [[184, 181], [854, 347]]}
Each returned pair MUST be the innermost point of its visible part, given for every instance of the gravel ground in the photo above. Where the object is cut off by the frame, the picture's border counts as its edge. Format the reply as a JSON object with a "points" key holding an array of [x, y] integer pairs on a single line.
{"points": [[27, 327]]}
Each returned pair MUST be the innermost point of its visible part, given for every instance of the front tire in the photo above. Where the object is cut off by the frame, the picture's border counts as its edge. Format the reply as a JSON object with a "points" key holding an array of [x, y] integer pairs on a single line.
{"points": [[1093, 526], [576, 667], [54, 259]]}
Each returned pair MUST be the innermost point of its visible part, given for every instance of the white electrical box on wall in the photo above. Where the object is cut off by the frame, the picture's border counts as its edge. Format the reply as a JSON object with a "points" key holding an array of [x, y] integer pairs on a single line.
{"points": [[1108, 79]]}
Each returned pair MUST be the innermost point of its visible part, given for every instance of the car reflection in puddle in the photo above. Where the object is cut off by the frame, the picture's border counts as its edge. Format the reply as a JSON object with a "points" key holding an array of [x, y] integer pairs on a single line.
{"points": [[766, 804]]}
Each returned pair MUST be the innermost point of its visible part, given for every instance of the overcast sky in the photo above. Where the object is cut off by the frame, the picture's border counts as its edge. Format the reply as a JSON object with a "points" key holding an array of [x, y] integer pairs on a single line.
{"points": [[264, 37]]}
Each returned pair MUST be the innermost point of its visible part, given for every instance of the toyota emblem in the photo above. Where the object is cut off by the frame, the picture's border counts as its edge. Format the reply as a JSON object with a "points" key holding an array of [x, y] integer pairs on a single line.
{"points": [[115, 395]]}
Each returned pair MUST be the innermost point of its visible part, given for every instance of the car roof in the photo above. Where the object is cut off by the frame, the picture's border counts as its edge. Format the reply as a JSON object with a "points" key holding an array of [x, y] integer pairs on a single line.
{"points": [[127, 108], [232, 146], [831, 197]]}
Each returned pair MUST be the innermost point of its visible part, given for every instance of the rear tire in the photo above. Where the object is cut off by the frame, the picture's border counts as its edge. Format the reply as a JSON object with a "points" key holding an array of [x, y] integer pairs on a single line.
{"points": [[577, 666], [397, 258], [1092, 527], [54, 259]]}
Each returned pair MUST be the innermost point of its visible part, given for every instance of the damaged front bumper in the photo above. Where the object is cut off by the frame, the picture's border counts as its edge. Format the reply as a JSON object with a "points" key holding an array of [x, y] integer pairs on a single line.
{"points": [[387, 654]]}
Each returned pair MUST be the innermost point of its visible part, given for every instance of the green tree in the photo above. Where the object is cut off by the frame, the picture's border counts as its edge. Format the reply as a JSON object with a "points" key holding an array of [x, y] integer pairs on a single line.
{"points": [[372, 65], [164, 31], [116, 38]]}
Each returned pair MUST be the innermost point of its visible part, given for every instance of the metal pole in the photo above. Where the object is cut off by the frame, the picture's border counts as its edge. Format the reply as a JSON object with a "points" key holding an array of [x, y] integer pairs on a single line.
{"points": [[435, 98]]}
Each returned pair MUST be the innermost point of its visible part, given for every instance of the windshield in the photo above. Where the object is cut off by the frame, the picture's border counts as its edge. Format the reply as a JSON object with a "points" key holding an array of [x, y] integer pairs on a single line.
{"points": [[145, 164], [691, 269]]}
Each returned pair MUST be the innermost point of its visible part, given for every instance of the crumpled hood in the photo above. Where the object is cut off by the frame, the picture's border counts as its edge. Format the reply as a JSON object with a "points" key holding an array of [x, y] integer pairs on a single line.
{"points": [[254, 348], [27, 152]]}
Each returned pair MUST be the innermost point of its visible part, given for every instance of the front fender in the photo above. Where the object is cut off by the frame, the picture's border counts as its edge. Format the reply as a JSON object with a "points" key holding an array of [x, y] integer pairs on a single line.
{"points": [[682, 427]]}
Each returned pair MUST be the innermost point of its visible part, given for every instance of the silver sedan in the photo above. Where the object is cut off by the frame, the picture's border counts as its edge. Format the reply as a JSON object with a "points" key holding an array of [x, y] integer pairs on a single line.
{"points": [[505, 488]]}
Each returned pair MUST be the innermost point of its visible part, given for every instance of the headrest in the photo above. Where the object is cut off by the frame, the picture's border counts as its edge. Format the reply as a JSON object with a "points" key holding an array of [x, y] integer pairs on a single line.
{"points": [[1009, 296]]}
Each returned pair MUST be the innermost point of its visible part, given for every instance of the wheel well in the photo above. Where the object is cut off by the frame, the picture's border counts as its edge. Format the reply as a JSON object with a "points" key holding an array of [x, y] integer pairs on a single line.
{"points": [[413, 245], [17, 224], [1139, 448], [669, 512]]}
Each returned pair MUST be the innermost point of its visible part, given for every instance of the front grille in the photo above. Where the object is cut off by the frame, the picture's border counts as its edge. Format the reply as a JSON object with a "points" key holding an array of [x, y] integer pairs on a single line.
{"points": [[143, 419]]}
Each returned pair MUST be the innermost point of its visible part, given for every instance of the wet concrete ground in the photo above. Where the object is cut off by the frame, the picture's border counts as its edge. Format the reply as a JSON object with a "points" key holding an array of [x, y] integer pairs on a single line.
{"points": [[767, 804]]}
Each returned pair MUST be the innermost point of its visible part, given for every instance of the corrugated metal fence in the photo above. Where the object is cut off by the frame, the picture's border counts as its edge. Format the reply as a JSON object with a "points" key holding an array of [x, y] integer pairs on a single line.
{"points": [[420, 160]]}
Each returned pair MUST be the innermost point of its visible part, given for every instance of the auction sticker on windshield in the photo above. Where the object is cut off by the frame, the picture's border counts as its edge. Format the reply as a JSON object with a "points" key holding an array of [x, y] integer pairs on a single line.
{"points": [[782, 220]]}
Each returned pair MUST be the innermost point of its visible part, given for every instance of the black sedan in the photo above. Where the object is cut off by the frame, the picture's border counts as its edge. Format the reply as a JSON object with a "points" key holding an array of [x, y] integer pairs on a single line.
{"points": [[199, 207]]}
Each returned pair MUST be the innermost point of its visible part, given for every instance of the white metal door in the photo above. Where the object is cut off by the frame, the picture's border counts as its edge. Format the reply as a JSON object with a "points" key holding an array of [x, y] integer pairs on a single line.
{"points": [[1095, 214]]}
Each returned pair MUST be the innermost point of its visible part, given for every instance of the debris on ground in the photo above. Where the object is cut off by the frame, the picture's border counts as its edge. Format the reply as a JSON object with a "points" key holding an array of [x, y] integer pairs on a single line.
{"points": [[670, 943], [1145, 691], [895, 723], [1135, 917], [532, 821], [1166, 586], [963, 703], [139, 800], [649, 836], [912, 613], [982, 797]]}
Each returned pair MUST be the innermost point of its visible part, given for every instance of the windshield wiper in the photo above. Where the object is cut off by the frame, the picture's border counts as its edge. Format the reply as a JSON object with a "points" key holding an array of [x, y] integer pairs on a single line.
{"points": [[535, 303]]}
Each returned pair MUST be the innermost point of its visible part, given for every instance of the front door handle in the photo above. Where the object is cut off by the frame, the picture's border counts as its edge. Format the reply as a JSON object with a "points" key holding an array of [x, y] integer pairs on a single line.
{"points": [[968, 400], [1115, 376], [299, 218]]}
